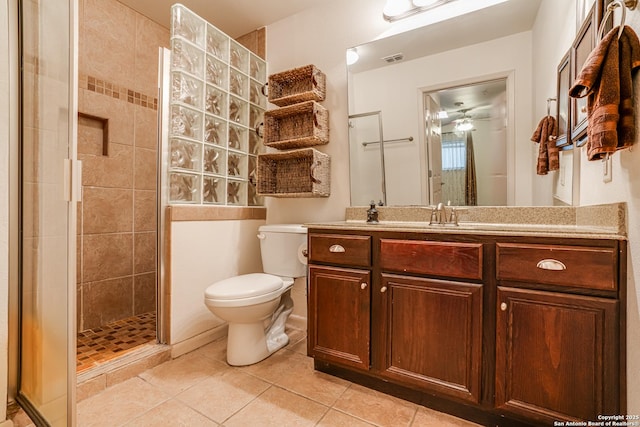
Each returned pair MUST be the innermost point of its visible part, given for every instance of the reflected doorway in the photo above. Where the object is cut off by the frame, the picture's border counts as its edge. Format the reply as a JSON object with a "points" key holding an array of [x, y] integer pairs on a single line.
{"points": [[468, 157]]}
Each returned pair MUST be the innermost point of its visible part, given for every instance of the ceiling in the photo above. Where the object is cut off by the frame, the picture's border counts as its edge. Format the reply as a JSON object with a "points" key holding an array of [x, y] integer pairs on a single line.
{"points": [[239, 17], [501, 20], [234, 17], [473, 101]]}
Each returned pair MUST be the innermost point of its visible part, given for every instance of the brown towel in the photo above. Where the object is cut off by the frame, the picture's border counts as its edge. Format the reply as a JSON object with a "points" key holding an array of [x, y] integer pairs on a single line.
{"points": [[548, 154], [606, 80]]}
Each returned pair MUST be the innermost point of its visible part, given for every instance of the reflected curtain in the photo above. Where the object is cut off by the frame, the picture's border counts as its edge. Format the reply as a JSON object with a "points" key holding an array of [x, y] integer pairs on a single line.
{"points": [[471, 185]]}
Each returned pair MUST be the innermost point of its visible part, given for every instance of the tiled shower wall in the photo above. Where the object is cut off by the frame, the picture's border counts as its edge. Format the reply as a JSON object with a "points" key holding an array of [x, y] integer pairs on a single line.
{"points": [[118, 72]]}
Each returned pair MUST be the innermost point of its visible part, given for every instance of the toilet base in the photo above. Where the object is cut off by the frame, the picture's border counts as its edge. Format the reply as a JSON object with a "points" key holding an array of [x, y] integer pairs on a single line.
{"points": [[247, 343]]}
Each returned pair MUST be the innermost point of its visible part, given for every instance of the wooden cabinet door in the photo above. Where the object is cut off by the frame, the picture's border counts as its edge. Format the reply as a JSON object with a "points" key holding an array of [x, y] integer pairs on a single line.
{"points": [[556, 355], [338, 315], [433, 335]]}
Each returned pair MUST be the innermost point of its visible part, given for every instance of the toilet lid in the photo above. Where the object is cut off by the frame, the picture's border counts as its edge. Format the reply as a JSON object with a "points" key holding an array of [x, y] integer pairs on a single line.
{"points": [[245, 286]]}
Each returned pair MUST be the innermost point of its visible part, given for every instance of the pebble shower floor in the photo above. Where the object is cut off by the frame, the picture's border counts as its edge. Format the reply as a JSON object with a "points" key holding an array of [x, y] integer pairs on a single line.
{"points": [[99, 345]]}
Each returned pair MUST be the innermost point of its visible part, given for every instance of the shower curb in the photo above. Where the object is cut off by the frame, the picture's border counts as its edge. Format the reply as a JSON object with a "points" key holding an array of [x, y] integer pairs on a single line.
{"points": [[97, 379]]}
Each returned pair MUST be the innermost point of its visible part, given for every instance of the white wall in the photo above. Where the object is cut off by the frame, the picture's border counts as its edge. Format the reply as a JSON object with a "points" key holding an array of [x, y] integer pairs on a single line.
{"points": [[321, 37], [553, 33], [549, 47], [203, 252]]}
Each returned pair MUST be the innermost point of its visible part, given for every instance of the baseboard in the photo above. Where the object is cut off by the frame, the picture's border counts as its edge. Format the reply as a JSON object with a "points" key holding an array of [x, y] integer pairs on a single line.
{"points": [[193, 343], [297, 322]]}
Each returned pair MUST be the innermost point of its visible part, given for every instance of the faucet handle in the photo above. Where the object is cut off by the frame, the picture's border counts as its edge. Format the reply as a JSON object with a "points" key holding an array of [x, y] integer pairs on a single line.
{"points": [[434, 216], [453, 218]]}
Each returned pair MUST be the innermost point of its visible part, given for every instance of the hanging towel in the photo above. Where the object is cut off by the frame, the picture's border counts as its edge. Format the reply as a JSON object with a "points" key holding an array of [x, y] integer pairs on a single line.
{"points": [[606, 80], [548, 154]]}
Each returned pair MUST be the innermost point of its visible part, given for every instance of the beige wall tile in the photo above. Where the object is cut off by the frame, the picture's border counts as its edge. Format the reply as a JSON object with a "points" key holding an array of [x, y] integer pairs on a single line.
{"points": [[120, 47], [106, 301], [108, 37], [144, 293], [107, 210], [146, 128], [149, 37], [113, 171], [145, 252], [255, 41], [107, 256], [145, 169], [145, 213]]}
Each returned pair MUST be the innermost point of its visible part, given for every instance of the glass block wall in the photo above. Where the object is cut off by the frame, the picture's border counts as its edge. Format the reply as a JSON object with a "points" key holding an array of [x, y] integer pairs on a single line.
{"points": [[217, 107]]}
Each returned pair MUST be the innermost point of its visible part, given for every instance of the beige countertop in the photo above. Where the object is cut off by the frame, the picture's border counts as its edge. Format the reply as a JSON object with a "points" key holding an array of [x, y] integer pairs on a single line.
{"points": [[596, 222]]}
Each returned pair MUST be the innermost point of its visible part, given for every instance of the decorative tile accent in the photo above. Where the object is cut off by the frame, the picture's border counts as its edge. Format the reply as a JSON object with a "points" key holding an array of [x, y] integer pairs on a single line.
{"points": [[113, 90]]}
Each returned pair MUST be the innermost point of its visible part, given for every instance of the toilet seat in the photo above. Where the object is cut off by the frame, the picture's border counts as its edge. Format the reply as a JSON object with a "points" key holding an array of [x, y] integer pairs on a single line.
{"points": [[246, 289]]}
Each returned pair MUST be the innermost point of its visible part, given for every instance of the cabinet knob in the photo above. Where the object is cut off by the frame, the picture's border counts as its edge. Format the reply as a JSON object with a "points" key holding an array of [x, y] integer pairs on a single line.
{"points": [[583, 109], [503, 306], [383, 289], [363, 286]]}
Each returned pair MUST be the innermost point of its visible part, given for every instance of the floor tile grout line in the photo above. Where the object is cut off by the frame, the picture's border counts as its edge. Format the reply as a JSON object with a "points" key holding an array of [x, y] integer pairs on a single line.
{"points": [[247, 404]]}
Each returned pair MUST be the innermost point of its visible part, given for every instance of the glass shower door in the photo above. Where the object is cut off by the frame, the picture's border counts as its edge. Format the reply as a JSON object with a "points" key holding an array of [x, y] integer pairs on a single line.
{"points": [[47, 211], [366, 159]]}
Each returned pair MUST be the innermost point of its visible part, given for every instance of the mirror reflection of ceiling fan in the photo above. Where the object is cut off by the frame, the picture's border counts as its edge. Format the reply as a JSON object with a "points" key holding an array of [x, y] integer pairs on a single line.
{"points": [[471, 102], [463, 118], [465, 122]]}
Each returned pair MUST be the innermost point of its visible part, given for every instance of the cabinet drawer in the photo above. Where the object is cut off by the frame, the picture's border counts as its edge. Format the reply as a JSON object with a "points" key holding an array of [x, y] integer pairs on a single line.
{"points": [[448, 259], [340, 249], [575, 266]]}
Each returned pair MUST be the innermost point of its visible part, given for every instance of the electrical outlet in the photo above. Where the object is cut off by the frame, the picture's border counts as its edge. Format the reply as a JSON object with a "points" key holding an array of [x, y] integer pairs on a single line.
{"points": [[606, 169]]}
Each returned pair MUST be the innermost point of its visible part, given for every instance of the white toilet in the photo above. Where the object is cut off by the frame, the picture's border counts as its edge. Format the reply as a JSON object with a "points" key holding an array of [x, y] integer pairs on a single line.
{"points": [[257, 305]]}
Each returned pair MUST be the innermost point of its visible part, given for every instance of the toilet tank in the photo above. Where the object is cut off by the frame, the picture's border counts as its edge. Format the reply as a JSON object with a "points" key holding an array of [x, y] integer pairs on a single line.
{"points": [[282, 246]]}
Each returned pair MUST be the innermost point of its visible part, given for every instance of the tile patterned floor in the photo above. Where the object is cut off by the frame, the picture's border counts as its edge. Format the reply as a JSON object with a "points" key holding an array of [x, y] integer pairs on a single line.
{"points": [[200, 389], [102, 344]]}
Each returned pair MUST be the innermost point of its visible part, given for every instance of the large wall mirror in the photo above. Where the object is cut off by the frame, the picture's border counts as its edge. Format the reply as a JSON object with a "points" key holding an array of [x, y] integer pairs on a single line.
{"points": [[425, 102]]}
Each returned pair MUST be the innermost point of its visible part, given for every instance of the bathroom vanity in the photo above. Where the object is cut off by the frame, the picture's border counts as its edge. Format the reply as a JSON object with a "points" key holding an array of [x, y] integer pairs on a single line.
{"points": [[503, 324]]}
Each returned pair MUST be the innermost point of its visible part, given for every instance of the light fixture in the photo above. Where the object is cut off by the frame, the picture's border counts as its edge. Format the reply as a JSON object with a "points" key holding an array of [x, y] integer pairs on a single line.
{"points": [[442, 114], [352, 56], [398, 9]]}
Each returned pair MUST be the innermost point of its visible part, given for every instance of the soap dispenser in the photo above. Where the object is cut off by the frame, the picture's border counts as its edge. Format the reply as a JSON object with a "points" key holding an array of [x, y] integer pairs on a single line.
{"points": [[372, 213]]}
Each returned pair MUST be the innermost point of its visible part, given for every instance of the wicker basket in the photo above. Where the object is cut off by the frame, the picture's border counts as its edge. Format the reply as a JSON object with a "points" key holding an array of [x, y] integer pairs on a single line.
{"points": [[297, 85], [296, 126], [297, 173]]}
